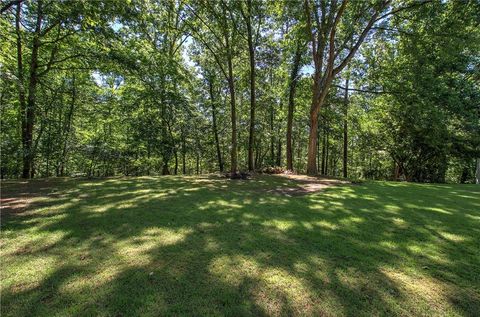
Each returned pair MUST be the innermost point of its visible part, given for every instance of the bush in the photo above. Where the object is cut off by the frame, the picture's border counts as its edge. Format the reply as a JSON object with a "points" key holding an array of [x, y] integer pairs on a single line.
{"points": [[272, 170]]}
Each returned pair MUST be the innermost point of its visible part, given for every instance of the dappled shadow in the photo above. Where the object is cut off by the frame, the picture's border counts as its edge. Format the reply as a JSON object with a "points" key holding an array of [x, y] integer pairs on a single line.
{"points": [[211, 246]]}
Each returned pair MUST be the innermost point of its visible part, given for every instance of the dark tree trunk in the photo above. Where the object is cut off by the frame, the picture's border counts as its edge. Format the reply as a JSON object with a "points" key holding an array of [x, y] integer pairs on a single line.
{"points": [[251, 53], [327, 151], [21, 91], [175, 171], [318, 148], [184, 153], [345, 130], [67, 128], [477, 172], [272, 137], [233, 112], [291, 104], [27, 135], [165, 170], [323, 148], [279, 152], [197, 158], [215, 129]]}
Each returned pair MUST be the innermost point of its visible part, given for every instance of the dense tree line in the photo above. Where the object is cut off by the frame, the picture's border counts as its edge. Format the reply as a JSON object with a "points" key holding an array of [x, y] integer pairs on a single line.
{"points": [[373, 89]]}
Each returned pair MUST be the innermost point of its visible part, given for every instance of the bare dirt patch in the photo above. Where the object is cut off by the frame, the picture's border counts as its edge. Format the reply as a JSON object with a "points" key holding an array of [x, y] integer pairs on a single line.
{"points": [[17, 196], [304, 185]]}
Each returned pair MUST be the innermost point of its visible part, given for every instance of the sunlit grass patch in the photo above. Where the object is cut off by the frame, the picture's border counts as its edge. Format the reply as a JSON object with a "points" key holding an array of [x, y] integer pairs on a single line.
{"points": [[184, 246]]}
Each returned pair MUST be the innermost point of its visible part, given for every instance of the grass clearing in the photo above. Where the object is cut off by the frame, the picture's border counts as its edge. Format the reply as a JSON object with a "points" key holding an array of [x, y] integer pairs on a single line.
{"points": [[193, 246]]}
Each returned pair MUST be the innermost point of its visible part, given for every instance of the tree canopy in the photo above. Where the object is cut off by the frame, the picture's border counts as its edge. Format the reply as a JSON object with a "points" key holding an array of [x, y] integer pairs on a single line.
{"points": [[375, 89]]}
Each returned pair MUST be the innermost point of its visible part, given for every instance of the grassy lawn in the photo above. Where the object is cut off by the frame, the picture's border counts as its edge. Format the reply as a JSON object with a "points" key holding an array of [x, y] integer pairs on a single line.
{"points": [[204, 246]]}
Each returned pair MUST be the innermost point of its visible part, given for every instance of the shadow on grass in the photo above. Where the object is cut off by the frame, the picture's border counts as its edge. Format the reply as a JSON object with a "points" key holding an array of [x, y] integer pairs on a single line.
{"points": [[208, 246]]}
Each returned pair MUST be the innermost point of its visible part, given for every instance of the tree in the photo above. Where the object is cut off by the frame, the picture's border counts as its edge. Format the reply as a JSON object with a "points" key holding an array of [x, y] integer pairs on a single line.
{"points": [[332, 50], [219, 40]]}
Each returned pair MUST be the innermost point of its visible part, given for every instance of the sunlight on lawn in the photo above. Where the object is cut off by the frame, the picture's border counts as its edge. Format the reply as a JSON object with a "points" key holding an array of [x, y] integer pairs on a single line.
{"points": [[141, 246]]}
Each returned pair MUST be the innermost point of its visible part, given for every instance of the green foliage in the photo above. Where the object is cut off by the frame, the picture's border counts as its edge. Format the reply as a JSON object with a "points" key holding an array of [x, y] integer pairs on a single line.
{"points": [[122, 88]]}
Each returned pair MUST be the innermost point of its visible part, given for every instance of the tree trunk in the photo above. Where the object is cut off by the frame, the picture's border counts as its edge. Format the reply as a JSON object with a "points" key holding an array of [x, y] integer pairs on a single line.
{"points": [[165, 170], [67, 128], [279, 152], [345, 130], [215, 130], [28, 170], [251, 53], [184, 151], [233, 110], [323, 148], [326, 152], [197, 157], [320, 92], [477, 174], [175, 171], [291, 104], [318, 148], [312, 141], [21, 89]]}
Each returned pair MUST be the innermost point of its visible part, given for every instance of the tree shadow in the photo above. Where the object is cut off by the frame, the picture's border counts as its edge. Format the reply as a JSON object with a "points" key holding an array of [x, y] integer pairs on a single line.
{"points": [[210, 246]]}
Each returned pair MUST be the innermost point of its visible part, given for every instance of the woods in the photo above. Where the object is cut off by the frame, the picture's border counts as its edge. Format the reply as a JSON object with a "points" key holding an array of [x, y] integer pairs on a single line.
{"points": [[362, 89]]}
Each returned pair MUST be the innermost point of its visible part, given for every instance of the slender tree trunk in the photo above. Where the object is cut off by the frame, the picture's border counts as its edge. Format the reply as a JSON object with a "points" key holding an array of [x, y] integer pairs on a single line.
{"points": [[327, 152], [251, 53], [477, 174], [197, 158], [291, 104], [323, 149], [215, 130], [318, 149], [345, 129], [67, 128], [279, 152], [175, 171], [272, 137], [28, 170], [184, 151], [233, 109], [21, 91]]}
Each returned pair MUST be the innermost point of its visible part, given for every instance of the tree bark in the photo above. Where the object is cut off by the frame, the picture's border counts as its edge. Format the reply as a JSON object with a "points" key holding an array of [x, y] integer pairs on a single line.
{"points": [[272, 137], [67, 128], [291, 104], [214, 123], [323, 148], [325, 58], [326, 152], [233, 110], [251, 53], [21, 91], [345, 129], [477, 174], [28, 155], [184, 153], [279, 152]]}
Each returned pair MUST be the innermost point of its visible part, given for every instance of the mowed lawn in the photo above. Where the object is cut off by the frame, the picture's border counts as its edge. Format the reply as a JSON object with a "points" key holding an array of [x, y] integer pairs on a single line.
{"points": [[206, 246]]}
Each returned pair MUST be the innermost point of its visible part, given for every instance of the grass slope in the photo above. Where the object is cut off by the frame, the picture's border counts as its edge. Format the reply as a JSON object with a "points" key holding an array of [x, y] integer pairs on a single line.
{"points": [[174, 246]]}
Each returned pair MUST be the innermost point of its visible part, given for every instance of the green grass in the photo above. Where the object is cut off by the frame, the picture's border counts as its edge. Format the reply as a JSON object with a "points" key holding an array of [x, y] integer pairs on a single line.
{"points": [[186, 246]]}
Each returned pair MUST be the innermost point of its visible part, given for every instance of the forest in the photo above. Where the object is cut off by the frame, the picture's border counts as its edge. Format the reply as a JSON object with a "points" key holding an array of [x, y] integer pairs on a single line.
{"points": [[374, 89], [240, 158]]}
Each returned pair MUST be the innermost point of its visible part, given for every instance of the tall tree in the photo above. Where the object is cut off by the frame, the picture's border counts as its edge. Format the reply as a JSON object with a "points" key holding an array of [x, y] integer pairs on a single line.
{"points": [[293, 80], [331, 51], [218, 35], [252, 42], [345, 128]]}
